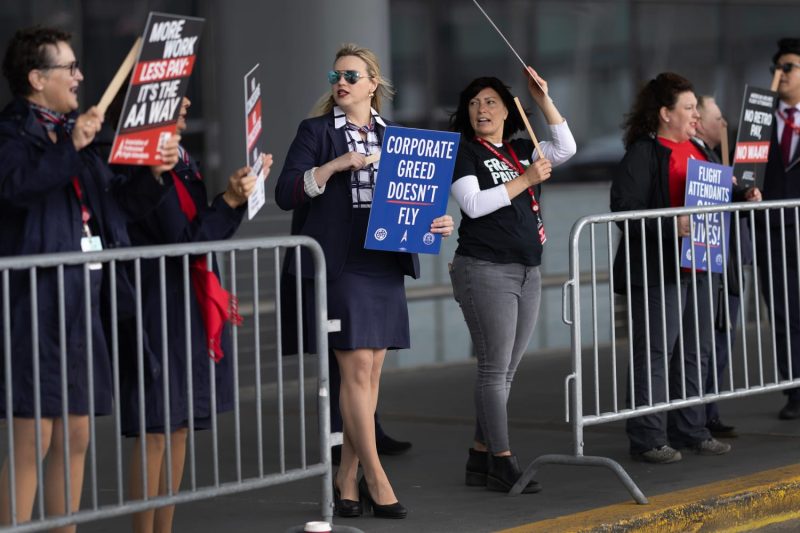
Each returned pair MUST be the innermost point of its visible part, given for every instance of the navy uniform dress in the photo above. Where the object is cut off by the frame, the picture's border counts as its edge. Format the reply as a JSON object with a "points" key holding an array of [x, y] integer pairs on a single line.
{"points": [[40, 212], [365, 287], [168, 224]]}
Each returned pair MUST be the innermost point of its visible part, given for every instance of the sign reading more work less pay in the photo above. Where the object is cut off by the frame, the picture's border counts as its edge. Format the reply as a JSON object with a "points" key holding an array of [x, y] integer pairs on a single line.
{"points": [[755, 132], [707, 184], [158, 84], [416, 168]]}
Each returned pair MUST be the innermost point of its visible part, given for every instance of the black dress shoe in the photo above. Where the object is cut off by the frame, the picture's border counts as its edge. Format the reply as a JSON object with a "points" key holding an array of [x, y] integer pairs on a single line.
{"points": [[388, 446], [790, 411], [345, 508], [336, 454], [719, 430], [392, 510]]}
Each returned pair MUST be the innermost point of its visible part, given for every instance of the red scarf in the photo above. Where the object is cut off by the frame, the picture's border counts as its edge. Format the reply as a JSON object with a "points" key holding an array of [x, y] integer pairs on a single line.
{"points": [[217, 305]]}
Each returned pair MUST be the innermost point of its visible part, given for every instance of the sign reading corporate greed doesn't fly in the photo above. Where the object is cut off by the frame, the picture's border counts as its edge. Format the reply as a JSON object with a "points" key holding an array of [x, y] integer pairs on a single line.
{"points": [[411, 189]]}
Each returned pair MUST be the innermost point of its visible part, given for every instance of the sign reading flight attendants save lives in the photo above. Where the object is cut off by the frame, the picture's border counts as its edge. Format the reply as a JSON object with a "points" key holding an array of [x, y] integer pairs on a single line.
{"points": [[755, 132], [252, 131], [707, 184], [158, 84], [413, 183]]}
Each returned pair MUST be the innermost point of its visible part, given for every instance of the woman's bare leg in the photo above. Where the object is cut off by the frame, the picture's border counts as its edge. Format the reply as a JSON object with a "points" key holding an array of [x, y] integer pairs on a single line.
{"points": [[165, 515], [25, 459], [360, 378], [55, 496], [154, 444]]}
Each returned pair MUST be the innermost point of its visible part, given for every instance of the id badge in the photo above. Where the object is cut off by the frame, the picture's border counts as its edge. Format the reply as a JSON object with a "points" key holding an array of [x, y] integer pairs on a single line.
{"points": [[92, 244]]}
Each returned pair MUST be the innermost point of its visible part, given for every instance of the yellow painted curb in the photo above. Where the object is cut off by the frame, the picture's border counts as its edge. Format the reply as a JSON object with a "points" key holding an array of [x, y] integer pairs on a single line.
{"points": [[739, 504]]}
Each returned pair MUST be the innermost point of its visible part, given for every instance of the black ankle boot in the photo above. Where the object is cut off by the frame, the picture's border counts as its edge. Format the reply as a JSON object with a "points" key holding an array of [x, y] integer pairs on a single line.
{"points": [[477, 466], [504, 472]]}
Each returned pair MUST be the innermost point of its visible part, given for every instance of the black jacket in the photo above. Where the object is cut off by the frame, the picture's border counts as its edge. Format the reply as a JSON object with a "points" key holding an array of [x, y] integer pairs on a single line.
{"points": [[641, 182]]}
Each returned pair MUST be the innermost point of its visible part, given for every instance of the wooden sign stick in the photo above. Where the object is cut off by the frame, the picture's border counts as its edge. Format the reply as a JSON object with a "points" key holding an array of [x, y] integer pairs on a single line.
{"points": [[119, 78], [726, 156], [776, 79], [528, 127]]}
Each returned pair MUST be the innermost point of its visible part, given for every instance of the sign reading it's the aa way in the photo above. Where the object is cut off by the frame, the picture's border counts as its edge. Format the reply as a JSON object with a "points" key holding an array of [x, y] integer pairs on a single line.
{"points": [[158, 84], [416, 168]]}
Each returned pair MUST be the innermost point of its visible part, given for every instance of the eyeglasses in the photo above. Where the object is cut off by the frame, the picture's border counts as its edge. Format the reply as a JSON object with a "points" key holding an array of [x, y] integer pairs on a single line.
{"points": [[350, 76], [72, 67], [785, 67]]}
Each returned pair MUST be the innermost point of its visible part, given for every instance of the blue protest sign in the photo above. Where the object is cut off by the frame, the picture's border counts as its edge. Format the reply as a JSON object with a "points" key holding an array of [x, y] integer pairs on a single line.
{"points": [[416, 168], [707, 184]]}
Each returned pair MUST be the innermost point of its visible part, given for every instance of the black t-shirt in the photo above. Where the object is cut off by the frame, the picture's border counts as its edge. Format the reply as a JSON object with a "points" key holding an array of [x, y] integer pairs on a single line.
{"points": [[511, 233]]}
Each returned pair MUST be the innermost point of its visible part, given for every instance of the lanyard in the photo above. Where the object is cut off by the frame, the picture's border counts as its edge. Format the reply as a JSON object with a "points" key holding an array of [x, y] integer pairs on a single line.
{"points": [[85, 215], [520, 169]]}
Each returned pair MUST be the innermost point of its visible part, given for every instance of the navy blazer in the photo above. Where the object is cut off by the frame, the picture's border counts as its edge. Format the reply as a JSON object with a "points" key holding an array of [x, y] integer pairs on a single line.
{"points": [[329, 216], [40, 213]]}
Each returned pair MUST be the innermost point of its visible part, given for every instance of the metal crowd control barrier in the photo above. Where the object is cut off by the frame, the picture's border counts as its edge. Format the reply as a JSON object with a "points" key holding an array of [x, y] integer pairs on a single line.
{"points": [[252, 466], [757, 364]]}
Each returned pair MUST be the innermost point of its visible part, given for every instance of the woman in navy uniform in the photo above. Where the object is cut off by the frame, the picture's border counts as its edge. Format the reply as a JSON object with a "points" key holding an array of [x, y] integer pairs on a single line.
{"points": [[326, 174], [56, 195], [183, 216]]}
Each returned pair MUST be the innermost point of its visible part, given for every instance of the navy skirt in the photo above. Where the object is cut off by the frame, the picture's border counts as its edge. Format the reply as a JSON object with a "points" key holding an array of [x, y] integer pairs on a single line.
{"points": [[369, 297], [49, 346]]}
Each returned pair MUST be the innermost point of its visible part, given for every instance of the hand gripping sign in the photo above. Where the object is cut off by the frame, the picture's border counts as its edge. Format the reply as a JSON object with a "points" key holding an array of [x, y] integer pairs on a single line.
{"points": [[411, 189], [158, 84]]}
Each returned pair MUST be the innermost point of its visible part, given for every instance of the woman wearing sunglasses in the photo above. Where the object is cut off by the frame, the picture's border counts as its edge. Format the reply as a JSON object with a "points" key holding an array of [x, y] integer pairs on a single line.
{"points": [[326, 177], [495, 271]]}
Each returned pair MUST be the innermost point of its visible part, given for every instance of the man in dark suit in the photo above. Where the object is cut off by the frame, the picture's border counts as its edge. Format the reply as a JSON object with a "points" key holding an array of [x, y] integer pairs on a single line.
{"points": [[710, 129], [782, 181]]}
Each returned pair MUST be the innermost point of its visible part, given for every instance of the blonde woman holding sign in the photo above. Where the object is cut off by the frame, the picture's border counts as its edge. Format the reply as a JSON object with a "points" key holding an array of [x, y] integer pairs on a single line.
{"points": [[330, 183], [495, 271]]}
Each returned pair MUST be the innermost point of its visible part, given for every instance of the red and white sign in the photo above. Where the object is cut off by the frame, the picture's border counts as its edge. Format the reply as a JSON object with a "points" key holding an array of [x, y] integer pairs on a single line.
{"points": [[158, 84], [252, 131]]}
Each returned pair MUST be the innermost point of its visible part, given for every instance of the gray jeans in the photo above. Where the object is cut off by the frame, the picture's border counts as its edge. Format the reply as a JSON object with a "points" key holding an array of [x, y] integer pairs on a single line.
{"points": [[660, 373], [500, 303]]}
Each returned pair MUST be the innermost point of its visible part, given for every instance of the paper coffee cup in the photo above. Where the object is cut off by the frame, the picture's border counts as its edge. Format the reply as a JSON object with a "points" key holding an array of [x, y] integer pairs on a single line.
{"points": [[317, 527]]}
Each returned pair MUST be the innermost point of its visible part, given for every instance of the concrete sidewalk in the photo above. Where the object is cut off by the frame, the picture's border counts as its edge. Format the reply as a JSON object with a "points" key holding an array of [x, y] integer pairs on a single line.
{"points": [[433, 408]]}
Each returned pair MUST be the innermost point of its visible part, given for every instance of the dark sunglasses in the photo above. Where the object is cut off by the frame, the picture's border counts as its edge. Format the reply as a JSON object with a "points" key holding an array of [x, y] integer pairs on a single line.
{"points": [[350, 76], [785, 67], [72, 67]]}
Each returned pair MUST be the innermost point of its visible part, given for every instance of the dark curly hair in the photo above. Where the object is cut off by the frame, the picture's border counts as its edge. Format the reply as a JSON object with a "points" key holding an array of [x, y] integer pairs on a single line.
{"points": [[663, 91], [27, 51], [459, 120]]}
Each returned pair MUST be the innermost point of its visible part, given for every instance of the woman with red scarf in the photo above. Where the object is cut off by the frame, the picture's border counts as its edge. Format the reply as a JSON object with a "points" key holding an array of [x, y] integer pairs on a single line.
{"points": [[183, 216]]}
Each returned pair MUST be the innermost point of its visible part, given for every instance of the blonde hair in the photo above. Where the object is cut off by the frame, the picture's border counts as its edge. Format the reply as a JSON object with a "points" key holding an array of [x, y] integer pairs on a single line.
{"points": [[384, 91]]}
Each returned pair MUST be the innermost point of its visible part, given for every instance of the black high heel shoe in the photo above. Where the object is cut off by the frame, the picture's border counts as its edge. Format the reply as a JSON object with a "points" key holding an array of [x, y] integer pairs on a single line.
{"points": [[392, 510], [345, 508]]}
